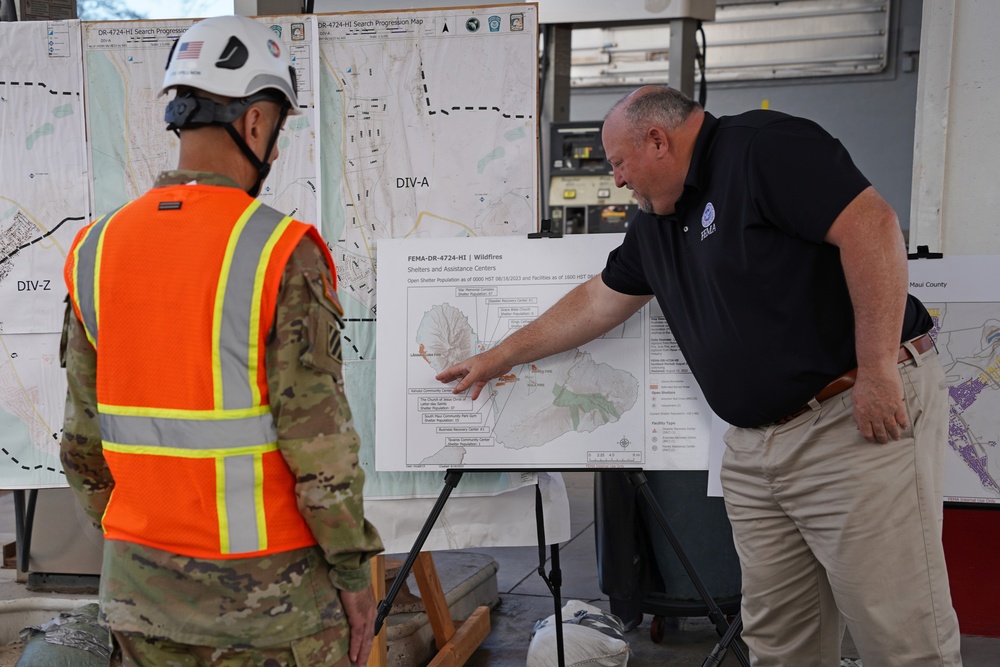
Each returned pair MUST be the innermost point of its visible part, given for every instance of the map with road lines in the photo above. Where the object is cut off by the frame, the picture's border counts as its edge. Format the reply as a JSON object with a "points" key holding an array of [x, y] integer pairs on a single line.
{"points": [[44, 201], [437, 137], [961, 296], [129, 142], [968, 340], [429, 123], [43, 170]]}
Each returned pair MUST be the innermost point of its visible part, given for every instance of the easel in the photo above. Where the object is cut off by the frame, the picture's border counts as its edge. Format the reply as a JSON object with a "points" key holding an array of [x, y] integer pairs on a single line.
{"points": [[454, 647], [727, 632], [553, 580]]}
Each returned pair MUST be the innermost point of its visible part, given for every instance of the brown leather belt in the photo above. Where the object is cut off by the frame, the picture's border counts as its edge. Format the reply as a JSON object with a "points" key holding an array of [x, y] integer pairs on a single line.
{"points": [[921, 344]]}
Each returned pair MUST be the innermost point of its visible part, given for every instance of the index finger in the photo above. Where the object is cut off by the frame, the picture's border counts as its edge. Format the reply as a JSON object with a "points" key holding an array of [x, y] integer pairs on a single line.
{"points": [[450, 373], [361, 642], [364, 650]]}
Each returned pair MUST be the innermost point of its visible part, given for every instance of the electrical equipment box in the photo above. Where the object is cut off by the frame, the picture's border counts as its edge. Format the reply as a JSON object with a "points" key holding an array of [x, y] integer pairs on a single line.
{"points": [[583, 198], [64, 540]]}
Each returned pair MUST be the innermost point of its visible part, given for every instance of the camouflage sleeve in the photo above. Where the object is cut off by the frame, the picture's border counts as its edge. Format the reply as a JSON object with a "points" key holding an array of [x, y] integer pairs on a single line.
{"points": [[80, 449], [315, 427]]}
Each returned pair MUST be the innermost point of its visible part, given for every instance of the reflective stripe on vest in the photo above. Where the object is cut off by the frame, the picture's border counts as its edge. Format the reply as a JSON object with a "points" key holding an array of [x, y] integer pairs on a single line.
{"points": [[239, 430], [87, 258], [235, 332]]}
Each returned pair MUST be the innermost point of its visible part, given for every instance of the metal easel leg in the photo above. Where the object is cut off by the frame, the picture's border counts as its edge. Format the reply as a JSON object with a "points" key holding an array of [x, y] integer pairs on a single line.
{"points": [[718, 653], [554, 579], [24, 519], [726, 631], [451, 479]]}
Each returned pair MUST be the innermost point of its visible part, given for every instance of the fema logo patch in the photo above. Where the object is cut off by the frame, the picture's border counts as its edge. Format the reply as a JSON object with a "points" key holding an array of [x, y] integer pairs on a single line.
{"points": [[708, 217], [494, 23], [708, 221]]}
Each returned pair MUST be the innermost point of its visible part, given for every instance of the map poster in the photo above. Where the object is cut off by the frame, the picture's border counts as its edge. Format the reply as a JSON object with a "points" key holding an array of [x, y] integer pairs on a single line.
{"points": [[32, 402], [129, 142], [429, 130], [44, 201], [627, 399], [962, 297], [43, 170]]}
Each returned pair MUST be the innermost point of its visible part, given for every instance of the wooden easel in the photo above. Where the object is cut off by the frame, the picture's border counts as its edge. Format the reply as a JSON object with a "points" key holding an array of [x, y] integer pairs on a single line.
{"points": [[454, 646]]}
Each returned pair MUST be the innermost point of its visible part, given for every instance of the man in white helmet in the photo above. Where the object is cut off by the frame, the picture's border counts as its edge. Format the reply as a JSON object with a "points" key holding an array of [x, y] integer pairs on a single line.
{"points": [[202, 350]]}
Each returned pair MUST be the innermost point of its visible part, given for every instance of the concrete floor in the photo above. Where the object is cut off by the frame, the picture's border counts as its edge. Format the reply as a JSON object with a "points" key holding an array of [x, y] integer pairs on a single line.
{"points": [[520, 598], [524, 599]]}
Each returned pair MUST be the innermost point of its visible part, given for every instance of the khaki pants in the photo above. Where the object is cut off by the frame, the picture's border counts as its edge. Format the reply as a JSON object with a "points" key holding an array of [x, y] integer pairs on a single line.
{"points": [[831, 528]]}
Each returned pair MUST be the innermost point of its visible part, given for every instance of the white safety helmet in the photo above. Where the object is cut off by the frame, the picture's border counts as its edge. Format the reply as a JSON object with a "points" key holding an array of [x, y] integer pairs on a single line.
{"points": [[232, 56]]}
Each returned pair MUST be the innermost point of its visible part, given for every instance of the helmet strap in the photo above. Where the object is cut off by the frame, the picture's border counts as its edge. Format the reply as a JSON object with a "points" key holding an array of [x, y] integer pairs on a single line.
{"points": [[263, 167]]}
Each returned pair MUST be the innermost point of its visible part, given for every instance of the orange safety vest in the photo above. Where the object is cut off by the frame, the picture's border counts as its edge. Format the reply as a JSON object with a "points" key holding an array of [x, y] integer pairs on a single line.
{"points": [[177, 293]]}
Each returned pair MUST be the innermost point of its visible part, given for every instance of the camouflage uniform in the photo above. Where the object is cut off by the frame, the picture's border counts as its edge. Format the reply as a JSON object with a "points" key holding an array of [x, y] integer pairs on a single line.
{"points": [[322, 648], [264, 602]]}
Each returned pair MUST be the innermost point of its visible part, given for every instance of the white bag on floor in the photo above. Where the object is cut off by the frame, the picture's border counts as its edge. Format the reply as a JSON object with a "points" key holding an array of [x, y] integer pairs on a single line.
{"points": [[591, 637]]}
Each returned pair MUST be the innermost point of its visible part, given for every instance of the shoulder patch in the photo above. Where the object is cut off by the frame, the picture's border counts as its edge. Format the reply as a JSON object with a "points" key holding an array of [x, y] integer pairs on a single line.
{"points": [[333, 341], [331, 294]]}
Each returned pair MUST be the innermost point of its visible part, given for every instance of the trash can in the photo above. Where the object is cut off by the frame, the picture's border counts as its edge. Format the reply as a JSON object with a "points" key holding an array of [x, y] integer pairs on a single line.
{"points": [[638, 568], [626, 571]]}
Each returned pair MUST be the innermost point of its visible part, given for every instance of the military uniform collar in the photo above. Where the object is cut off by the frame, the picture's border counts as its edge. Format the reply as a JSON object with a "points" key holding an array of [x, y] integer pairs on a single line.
{"points": [[188, 176]]}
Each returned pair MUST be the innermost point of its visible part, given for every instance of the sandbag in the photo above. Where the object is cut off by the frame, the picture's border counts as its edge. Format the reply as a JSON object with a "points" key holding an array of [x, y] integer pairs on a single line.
{"points": [[591, 637], [72, 639]]}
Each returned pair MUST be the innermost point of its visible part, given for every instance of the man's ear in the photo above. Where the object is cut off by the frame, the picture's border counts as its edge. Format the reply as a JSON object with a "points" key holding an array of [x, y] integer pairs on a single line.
{"points": [[257, 126], [658, 138], [255, 123]]}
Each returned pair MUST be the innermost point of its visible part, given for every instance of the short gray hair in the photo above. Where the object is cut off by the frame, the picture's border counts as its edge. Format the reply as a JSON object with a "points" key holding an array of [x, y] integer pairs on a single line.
{"points": [[657, 105]]}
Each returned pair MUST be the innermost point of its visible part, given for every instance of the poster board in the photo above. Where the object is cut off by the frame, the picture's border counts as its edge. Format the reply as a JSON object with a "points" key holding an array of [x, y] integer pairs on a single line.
{"points": [[446, 144], [43, 203], [961, 296], [956, 153], [625, 400]]}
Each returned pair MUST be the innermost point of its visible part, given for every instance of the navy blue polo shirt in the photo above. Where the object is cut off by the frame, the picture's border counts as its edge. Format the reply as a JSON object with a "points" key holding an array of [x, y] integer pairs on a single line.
{"points": [[757, 300]]}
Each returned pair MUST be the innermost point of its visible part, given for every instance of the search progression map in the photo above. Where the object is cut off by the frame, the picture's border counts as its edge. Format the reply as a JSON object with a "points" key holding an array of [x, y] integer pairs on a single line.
{"points": [[429, 131]]}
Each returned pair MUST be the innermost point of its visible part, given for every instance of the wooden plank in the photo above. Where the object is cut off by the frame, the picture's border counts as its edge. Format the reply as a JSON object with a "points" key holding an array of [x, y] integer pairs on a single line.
{"points": [[432, 595], [466, 640], [380, 648]]}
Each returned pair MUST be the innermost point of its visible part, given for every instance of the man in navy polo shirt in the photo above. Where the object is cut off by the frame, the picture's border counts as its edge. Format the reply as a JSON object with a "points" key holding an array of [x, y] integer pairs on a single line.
{"points": [[782, 274]]}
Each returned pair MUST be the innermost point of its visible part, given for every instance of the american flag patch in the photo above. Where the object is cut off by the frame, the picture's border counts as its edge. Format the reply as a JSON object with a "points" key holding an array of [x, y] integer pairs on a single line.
{"points": [[189, 50]]}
